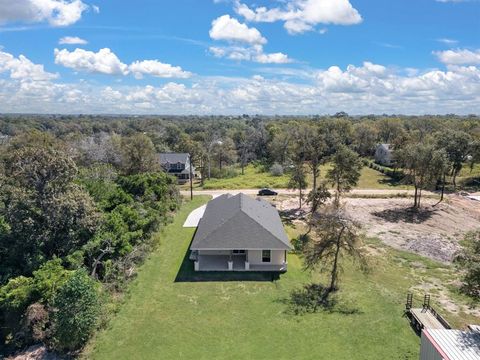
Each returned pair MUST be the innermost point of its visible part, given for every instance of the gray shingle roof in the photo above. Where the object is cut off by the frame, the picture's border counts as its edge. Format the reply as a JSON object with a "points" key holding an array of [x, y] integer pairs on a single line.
{"points": [[240, 222], [173, 158]]}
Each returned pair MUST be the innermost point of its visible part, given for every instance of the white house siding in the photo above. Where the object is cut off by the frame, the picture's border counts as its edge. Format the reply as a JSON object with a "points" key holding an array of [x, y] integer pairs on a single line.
{"points": [[255, 257], [383, 155]]}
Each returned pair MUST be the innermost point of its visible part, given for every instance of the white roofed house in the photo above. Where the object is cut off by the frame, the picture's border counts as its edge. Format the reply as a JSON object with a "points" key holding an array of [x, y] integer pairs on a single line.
{"points": [[239, 233], [178, 164]]}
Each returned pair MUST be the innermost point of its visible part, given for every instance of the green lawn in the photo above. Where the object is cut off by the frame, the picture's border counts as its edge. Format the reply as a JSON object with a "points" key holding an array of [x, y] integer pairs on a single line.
{"points": [[162, 318], [254, 178]]}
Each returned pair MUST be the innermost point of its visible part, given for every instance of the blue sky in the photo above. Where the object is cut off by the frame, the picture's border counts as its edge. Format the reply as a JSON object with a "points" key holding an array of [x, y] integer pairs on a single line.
{"points": [[240, 56]]}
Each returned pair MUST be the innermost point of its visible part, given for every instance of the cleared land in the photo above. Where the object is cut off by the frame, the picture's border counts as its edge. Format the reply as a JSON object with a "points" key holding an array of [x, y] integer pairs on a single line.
{"points": [[433, 231], [172, 313], [254, 178]]}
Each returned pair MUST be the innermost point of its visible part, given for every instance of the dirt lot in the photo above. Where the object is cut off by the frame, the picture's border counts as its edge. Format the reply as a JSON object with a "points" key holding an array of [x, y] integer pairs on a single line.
{"points": [[435, 231]]}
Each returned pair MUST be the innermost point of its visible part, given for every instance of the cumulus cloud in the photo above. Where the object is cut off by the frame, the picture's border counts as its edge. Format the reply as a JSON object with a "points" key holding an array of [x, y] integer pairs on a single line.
{"points": [[358, 89], [55, 12], [22, 68], [157, 69], [459, 57], [230, 29], [72, 40], [104, 61], [300, 16], [254, 53]]}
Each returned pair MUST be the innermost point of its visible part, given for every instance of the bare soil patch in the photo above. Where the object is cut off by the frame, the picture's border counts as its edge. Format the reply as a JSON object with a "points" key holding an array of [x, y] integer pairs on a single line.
{"points": [[433, 231]]}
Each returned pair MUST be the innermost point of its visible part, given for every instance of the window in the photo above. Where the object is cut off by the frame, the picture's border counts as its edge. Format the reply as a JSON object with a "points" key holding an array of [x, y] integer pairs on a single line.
{"points": [[238, 252], [266, 255]]}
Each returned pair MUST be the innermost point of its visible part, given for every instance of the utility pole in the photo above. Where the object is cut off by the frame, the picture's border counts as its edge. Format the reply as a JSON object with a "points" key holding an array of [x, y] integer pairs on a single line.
{"points": [[191, 180]]}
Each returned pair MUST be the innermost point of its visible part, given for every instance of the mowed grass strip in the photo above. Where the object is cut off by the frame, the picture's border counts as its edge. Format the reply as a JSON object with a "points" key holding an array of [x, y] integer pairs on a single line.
{"points": [[166, 319], [254, 178]]}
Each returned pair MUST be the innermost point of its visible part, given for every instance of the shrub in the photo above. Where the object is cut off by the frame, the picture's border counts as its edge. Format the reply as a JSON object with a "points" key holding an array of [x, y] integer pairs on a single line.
{"points": [[276, 169], [299, 242], [225, 173], [77, 310]]}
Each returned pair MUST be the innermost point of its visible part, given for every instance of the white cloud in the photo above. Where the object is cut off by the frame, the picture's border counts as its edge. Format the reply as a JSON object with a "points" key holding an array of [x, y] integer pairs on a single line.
{"points": [[230, 29], [253, 53], [273, 58], [22, 68], [300, 16], [96, 9], [55, 12], [72, 40], [459, 57], [447, 41], [357, 89], [157, 69], [104, 61]]}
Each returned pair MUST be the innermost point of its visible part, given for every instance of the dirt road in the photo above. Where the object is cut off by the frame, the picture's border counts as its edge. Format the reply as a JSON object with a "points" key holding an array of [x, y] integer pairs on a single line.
{"points": [[355, 192]]}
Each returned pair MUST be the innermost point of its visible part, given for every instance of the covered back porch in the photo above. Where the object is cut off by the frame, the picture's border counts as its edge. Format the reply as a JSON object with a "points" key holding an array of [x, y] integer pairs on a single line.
{"points": [[236, 260]]}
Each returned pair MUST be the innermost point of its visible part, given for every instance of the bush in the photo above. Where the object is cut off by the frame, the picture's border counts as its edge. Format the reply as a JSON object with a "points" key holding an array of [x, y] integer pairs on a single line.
{"points": [[225, 173], [299, 242], [77, 311], [276, 169]]}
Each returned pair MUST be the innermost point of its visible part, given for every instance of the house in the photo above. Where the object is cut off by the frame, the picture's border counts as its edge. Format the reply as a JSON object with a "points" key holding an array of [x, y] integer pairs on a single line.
{"points": [[383, 154], [177, 164], [447, 344], [4, 139], [239, 233]]}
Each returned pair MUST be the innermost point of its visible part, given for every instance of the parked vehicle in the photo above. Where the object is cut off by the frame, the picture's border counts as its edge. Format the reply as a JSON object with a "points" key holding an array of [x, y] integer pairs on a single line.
{"points": [[267, 192]]}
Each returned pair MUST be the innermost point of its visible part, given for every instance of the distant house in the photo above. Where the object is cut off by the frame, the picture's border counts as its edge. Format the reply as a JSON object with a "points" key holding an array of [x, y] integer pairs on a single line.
{"points": [[4, 139], [443, 344], [177, 164], [383, 154], [239, 233]]}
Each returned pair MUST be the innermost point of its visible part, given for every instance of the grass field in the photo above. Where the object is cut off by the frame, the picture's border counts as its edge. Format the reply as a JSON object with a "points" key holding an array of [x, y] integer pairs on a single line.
{"points": [[172, 313], [256, 179]]}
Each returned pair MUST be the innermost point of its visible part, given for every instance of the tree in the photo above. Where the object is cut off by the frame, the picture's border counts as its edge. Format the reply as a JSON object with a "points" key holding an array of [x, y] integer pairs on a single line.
{"points": [[314, 147], [458, 146], [468, 260], [245, 145], [224, 152], [298, 180], [345, 171], [317, 198], [365, 137], [336, 236], [139, 155], [77, 309], [422, 164], [47, 213]]}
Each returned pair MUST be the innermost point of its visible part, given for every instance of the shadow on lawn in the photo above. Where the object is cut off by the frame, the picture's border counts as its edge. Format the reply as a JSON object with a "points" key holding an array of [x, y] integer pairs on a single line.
{"points": [[186, 273], [313, 298]]}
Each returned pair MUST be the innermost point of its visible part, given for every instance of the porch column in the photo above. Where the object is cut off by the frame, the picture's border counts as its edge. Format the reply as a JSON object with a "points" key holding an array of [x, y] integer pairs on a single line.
{"points": [[230, 265], [197, 265]]}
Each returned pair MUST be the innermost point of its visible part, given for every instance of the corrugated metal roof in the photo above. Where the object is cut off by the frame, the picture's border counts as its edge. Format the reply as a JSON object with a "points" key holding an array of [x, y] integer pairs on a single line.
{"points": [[457, 344], [240, 222]]}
